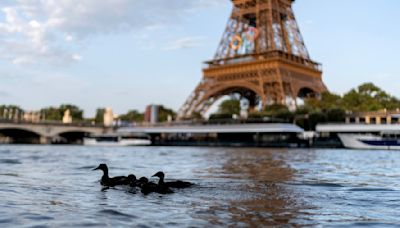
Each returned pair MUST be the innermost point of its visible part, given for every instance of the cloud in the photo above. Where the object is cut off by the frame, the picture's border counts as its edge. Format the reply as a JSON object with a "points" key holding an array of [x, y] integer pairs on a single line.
{"points": [[76, 57], [51, 31], [185, 43]]}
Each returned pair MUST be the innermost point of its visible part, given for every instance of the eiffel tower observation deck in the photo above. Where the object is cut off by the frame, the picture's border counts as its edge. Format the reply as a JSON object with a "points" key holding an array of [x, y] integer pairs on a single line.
{"points": [[262, 57]]}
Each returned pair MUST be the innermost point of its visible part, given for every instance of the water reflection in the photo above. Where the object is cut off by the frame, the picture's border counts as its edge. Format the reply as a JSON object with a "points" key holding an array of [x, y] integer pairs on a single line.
{"points": [[261, 194]]}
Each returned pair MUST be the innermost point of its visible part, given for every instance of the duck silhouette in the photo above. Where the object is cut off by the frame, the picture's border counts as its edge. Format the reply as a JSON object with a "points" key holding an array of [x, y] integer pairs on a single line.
{"points": [[112, 181], [171, 184], [150, 187], [131, 180]]}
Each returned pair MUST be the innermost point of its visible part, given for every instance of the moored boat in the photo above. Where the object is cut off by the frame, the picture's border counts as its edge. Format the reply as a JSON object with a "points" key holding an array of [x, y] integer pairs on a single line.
{"points": [[370, 141]]}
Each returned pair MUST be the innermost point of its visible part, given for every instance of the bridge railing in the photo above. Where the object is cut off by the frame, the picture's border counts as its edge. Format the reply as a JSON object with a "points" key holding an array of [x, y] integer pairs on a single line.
{"points": [[52, 123]]}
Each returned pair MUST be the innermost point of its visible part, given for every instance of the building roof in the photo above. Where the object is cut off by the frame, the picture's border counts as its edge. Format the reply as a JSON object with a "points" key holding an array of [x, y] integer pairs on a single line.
{"points": [[226, 128]]}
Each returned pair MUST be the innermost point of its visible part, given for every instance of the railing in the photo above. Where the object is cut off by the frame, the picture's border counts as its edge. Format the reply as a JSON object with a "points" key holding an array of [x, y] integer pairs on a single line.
{"points": [[266, 55], [50, 123]]}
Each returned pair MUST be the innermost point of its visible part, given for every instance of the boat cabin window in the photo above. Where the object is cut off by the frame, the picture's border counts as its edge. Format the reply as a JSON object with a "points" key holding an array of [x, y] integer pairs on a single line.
{"points": [[135, 137], [391, 135], [107, 139]]}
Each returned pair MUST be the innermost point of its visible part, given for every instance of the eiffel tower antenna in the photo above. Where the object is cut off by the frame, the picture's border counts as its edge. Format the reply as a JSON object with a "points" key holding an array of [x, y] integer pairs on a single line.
{"points": [[262, 57]]}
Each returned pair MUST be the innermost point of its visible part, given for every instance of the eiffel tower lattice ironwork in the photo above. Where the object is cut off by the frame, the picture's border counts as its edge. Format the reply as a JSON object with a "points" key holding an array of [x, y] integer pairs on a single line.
{"points": [[261, 56]]}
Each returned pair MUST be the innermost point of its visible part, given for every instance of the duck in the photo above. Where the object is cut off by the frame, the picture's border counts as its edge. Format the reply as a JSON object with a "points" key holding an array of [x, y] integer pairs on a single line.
{"points": [[150, 187], [112, 181], [171, 184]]}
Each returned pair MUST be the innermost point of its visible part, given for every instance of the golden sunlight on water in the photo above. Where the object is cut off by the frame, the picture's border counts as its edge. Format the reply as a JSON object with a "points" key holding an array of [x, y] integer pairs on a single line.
{"points": [[262, 171]]}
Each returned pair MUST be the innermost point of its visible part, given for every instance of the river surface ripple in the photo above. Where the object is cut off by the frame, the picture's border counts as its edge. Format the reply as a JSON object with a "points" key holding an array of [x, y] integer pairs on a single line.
{"points": [[53, 186]]}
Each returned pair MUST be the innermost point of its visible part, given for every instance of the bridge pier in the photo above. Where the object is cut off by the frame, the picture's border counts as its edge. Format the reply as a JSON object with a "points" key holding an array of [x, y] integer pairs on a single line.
{"points": [[45, 140]]}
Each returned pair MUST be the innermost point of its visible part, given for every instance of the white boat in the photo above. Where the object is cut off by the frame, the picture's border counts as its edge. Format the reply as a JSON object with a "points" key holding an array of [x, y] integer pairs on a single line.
{"points": [[117, 140], [384, 141]]}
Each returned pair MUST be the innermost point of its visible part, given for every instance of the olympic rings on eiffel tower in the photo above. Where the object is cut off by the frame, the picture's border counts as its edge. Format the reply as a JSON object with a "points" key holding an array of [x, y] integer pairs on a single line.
{"points": [[252, 34], [236, 42], [246, 40]]}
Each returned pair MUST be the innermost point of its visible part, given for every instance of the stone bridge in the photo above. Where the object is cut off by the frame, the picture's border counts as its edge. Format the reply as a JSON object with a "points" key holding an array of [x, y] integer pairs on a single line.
{"points": [[46, 133]]}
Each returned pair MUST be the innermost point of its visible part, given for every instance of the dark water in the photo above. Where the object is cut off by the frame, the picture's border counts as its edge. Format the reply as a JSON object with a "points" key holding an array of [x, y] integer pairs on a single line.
{"points": [[55, 187]]}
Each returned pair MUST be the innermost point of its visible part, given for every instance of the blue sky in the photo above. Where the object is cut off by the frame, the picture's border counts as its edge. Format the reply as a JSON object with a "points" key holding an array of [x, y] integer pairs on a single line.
{"points": [[126, 54]]}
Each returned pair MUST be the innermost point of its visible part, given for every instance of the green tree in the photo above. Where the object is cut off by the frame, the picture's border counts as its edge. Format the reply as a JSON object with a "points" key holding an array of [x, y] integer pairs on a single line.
{"points": [[76, 112], [132, 116], [335, 115], [196, 116], [326, 101], [11, 112], [276, 109], [51, 114], [99, 118], [368, 97], [164, 112], [315, 118], [56, 114], [220, 116], [230, 107]]}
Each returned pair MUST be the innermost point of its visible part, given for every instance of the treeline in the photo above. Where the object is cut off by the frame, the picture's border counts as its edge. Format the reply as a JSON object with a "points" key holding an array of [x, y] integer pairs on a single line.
{"points": [[329, 107], [55, 114]]}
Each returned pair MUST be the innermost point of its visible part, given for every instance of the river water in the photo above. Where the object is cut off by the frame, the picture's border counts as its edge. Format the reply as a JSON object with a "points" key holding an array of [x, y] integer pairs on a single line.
{"points": [[53, 186]]}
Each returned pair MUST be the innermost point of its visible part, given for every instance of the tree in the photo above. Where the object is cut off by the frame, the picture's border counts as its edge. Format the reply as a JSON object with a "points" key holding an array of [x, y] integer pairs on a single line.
{"points": [[327, 101], [132, 116], [51, 114], [275, 109], [335, 115], [76, 112], [56, 114], [220, 116], [164, 112], [196, 116], [11, 112], [314, 119], [368, 97], [231, 107], [99, 118]]}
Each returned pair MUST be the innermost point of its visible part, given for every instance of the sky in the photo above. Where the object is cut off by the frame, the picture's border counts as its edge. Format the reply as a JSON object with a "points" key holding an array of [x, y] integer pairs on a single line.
{"points": [[126, 54]]}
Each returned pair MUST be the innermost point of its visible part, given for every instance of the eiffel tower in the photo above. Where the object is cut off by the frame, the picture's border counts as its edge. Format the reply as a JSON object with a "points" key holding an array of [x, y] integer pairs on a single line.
{"points": [[262, 57]]}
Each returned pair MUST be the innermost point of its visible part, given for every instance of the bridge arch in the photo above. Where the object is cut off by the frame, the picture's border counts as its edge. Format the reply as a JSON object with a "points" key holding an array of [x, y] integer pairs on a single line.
{"points": [[19, 136], [72, 135], [85, 130]]}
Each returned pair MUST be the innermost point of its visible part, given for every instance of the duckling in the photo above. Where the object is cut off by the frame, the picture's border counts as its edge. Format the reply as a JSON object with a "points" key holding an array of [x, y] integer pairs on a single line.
{"points": [[149, 187], [110, 182], [172, 184], [142, 181], [131, 180]]}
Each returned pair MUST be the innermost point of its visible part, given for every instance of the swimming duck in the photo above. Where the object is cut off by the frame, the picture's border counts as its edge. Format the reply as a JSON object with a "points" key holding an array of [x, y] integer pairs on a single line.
{"points": [[171, 184], [111, 182], [149, 187]]}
